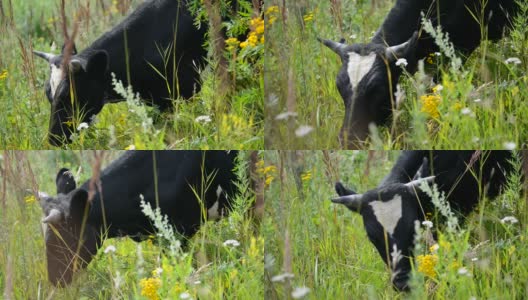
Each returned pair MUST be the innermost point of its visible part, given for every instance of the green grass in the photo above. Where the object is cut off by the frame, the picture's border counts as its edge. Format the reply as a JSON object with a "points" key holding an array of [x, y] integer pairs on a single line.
{"points": [[326, 248], [236, 120], [207, 270], [300, 76]]}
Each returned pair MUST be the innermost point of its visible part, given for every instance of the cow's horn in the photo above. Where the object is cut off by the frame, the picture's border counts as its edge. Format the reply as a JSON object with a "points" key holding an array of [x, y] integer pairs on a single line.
{"points": [[54, 217], [338, 48], [351, 201], [47, 56], [417, 182]]}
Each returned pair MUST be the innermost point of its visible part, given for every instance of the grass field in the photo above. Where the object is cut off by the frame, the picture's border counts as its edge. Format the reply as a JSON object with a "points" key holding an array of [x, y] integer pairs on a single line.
{"points": [[325, 247], [207, 270], [207, 121], [481, 106]]}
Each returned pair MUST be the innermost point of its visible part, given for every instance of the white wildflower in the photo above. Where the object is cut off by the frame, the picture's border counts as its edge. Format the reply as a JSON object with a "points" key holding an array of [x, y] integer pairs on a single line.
{"points": [[110, 248], [474, 259], [509, 219], [82, 126], [401, 62], [203, 119], [303, 130], [285, 116], [477, 100], [435, 247], [509, 145], [427, 224], [158, 271], [465, 111], [185, 295], [281, 277], [300, 292], [353, 36], [513, 60], [463, 271], [233, 243]]}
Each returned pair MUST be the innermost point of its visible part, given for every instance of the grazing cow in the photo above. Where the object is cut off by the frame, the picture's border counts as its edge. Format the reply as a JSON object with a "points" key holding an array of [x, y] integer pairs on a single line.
{"points": [[390, 211], [368, 77], [158, 50], [186, 185]]}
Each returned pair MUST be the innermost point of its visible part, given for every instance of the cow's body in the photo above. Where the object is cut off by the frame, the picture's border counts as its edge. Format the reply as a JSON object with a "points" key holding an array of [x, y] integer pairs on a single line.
{"points": [[183, 179], [368, 99], [158, 47], [390, 211]]}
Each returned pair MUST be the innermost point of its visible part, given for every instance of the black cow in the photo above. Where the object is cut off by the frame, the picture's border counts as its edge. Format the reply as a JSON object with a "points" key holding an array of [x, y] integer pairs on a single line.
{"points": [[181, 176], [369, 75], [158, 47], [390, 211]]}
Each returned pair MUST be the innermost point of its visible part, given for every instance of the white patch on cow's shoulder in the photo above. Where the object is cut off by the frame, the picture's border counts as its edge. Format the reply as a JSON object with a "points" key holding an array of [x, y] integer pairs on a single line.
{"points": [[55, 78], [212, 212], [388, 213], [359, 66]]}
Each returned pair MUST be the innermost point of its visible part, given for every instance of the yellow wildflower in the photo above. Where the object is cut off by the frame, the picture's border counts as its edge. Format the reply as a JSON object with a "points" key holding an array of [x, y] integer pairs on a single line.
{"points": [[252, 39], [262, 40], [306, 176], [243, 45], [426, 264], [308, 17], [4, 75], [455, 265], [30, 199], [232, 43], [430, 105], [270, 169], [130, 147], [178, 288], [445, 245], [254, 247], [269, 179], [457, 106], [272, 10], [149, 288]]}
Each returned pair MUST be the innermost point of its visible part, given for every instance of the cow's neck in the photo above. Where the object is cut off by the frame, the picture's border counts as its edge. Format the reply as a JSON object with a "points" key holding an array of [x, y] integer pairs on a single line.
{"points": [[401, 22]]}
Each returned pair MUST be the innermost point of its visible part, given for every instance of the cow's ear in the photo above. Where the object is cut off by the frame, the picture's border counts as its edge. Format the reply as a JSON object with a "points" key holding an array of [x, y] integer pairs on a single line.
{"points": [[405, 50], [79, 204], [97, 63], [341, 190], [353, 202], [65, 181]]}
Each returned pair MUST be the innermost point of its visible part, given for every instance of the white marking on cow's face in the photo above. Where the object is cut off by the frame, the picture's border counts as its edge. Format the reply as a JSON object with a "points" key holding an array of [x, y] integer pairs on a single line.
{"points": [[212, 212], [55, 78], [359, 66], [388, 213]]}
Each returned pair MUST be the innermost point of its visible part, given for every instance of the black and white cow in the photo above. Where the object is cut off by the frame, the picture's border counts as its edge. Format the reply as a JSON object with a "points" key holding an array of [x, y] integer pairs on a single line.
{"points": [[75, 223], [369, 75], [390, 211], [158, 47]]}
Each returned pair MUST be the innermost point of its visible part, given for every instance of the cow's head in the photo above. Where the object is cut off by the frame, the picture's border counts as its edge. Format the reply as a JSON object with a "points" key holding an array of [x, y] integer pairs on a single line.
{"points": [[367, 82], [389, 214], [75, 91], [71, 241]]}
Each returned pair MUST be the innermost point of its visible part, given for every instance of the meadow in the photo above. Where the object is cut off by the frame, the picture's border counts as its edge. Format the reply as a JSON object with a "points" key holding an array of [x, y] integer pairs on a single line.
{"points": [[320, 250], [479, 105], [209, 120], [208, 268]]}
